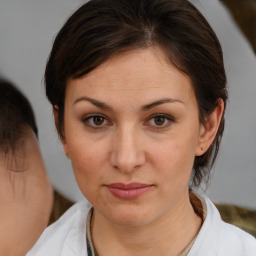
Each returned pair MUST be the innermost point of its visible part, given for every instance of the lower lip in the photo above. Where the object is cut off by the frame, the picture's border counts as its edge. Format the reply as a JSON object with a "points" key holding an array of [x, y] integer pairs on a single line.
{"points": [[129, 194]]}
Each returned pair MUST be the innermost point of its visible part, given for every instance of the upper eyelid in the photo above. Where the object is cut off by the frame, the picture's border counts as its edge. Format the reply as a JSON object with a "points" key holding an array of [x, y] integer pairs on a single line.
{"points": [[86, 121], [167, 116], [89, 116], [170, 119], [93, 115], [151, 116]]}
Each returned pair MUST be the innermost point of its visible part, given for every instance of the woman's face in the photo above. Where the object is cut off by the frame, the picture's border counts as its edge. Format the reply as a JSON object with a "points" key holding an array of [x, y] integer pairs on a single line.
{"points": [[132, 132]]}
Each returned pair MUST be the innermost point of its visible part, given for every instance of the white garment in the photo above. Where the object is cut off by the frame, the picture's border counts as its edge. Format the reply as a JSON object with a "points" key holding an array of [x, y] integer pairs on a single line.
{"points": [[67, 236]]}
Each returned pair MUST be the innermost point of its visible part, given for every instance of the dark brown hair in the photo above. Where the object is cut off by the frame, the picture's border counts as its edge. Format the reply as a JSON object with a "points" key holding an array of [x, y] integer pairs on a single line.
{"points": [[102, 28], [15, 113]]}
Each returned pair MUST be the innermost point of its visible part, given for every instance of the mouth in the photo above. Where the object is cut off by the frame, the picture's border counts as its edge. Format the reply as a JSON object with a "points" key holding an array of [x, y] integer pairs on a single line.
{"points": [[128, 191]]}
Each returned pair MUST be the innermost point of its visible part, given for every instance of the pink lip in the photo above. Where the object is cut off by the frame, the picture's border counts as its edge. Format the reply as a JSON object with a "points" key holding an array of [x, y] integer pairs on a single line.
{"points": [[128, 191]]}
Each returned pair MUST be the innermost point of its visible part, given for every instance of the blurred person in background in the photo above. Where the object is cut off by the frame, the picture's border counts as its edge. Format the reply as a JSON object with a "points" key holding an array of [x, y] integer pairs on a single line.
{"points": [[25, 191]]}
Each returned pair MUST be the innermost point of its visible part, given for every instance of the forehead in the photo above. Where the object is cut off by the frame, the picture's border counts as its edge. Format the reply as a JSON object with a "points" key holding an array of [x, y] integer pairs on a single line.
{"points": [[129, 75]]}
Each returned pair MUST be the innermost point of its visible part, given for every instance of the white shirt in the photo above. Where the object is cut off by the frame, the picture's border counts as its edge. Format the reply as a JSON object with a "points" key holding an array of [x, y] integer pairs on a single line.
{"points": [[67, 236]]}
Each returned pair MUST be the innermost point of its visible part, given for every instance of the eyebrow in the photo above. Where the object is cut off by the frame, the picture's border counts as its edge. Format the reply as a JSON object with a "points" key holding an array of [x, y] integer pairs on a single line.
{"points": [[105, 106], [96, 103], [160, 102]]}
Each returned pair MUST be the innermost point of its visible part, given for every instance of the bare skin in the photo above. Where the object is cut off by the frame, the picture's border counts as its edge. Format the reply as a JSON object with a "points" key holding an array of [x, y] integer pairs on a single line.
{"points": [[25, 196], [169, 235], [135, 120]]}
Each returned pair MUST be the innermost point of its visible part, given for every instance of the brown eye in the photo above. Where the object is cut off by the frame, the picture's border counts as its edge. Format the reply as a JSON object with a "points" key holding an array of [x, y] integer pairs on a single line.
{"points": [[98, 120], [159, 120], [95, 121]]}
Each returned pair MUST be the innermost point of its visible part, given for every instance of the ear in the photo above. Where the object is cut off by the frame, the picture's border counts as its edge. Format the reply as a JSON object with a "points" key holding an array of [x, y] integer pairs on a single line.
{"points": [[208, 130], [55, 111]]}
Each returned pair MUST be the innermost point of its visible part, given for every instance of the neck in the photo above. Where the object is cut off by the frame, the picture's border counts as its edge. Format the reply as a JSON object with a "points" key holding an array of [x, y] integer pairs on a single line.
{"points": [[168, 235]]}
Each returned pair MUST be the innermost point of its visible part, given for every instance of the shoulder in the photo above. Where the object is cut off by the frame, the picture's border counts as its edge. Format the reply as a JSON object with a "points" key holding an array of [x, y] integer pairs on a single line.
{"points": [[219, 238], [67, 236], [237, 241]]}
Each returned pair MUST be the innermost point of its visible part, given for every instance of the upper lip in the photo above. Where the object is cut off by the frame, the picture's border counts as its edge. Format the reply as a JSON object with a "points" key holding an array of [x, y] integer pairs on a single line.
{"points": [[128, 186]]}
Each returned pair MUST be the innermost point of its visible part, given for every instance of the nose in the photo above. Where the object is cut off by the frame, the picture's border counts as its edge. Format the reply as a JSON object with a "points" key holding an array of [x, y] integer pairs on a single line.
{"points": [[127, 153]]}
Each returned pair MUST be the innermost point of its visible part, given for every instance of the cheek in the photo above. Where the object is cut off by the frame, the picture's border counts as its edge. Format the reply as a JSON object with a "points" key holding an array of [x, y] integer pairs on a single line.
{"points": [[83, 148], [174, 158], [86, 165], [85, 159], [173, 165], [89, 162]]}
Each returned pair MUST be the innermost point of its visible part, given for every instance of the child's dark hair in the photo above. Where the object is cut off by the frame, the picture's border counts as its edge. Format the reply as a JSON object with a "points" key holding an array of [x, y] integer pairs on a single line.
{"points": [[15, 113]]}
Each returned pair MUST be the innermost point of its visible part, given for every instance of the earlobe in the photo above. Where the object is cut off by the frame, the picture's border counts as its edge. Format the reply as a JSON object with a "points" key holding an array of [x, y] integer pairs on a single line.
{"points": [[62, 138], [209, 129]]}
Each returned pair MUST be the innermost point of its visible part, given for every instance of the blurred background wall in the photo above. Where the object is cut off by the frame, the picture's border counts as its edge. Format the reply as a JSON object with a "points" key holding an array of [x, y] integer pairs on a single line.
{"points": [[27, 30]]}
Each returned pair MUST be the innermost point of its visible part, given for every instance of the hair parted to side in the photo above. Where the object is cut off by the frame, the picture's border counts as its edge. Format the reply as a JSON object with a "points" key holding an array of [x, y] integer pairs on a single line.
{"points": [[103, 28], [15, 113]]}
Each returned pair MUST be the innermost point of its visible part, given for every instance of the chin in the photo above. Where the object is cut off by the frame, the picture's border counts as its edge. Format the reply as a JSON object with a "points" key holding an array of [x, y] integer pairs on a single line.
{"points": [[130, 221], [130, 216]]}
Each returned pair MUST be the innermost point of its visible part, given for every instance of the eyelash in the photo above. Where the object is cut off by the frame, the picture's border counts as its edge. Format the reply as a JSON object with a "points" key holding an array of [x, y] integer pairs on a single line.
{"points": [[167, 121], [86, 120]]}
